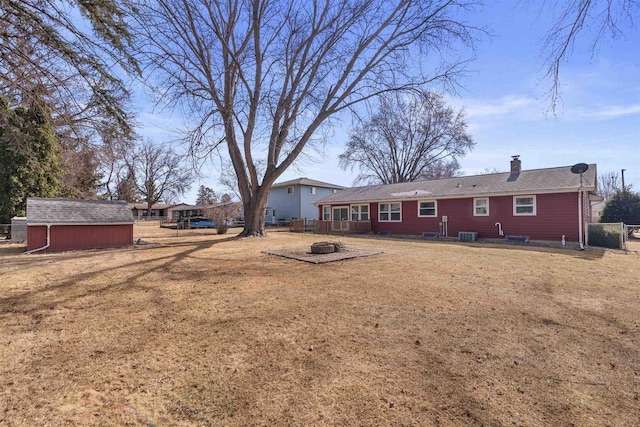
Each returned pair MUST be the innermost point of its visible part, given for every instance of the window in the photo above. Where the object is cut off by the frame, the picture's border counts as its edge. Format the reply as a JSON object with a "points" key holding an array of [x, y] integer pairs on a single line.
{"points": [[340, 213], [389, 212], [360, 213], [428, 209], [312, 190], [326, 213], [481, 206], [335, 190], [524, 205], [289, 190]]}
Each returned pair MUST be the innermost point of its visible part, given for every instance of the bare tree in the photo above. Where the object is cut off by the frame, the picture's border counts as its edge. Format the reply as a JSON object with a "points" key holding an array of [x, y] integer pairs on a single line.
{"points": [[118, 180], [159, 173], [490, 171], [608, 17], [265, 76], [443, 169], [408, 140], [608, 184], [223, 213]]}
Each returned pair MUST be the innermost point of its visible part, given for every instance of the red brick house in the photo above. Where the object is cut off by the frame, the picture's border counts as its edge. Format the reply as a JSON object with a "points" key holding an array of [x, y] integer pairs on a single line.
{"points": [[541, 204], [64, 224]]}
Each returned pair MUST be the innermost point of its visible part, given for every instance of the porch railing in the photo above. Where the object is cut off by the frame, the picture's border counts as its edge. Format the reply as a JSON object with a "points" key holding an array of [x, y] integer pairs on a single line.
{"points": [[341, 227]]}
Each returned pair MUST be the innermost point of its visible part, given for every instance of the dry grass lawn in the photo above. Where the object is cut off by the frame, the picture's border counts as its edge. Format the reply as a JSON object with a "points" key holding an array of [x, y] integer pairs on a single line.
{"points": [[206, 330]]}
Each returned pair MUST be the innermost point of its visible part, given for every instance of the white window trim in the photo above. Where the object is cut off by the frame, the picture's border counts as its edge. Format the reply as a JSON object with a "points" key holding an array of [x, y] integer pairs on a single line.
{"points": [[389, 220], [475, 212], [435, 205], [535, 205], [360, 211], [312, 190], [347, 207], [323, 212], [293, 191]]}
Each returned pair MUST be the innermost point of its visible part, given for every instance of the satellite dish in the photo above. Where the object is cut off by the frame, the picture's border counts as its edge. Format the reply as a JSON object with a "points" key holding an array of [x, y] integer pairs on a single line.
{"points": [[579, 168]]}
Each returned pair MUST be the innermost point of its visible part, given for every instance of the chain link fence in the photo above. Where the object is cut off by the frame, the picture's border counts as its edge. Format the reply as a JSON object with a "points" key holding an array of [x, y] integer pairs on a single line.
{"points": [[632, 237], [5, 231], [606, 235]]}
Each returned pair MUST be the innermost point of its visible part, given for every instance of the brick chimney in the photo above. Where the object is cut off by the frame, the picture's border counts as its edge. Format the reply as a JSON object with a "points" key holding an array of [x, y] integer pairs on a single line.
{"points": [[515, 164]]}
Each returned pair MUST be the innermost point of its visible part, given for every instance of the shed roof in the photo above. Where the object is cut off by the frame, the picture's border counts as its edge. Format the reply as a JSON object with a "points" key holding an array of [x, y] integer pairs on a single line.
{"points": [[144, 206], [306, 181], [535, 181], [71, 211]]}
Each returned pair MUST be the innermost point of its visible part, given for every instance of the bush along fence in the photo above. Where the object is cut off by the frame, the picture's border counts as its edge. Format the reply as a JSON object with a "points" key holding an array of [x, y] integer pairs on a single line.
{"points": [[606, 235]]}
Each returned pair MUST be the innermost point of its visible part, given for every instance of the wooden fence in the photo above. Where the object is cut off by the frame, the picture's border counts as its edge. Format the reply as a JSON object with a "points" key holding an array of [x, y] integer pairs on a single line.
{"points": [[342, 227], [301, 225], [329, 227]]}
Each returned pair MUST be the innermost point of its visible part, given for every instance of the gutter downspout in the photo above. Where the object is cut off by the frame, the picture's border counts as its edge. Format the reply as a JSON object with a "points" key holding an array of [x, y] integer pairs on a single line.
{"points": [[45, 246], [580, 219]]}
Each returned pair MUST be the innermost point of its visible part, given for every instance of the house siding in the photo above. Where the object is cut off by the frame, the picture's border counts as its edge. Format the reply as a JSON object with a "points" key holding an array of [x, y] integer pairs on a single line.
{"points": [[79, 237], [556, 215], [307, 208], [142, 213], [285, 205], [298, 205]]}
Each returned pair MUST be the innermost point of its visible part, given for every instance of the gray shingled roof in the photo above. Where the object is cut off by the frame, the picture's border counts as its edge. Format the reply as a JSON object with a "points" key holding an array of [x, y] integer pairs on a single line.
{"points": [[307, 181], [559, 180], [144, 206], [68, 211]]}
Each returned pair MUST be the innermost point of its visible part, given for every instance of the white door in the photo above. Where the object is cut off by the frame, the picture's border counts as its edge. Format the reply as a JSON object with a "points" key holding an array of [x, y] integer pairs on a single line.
{"points": [[340, 214]]}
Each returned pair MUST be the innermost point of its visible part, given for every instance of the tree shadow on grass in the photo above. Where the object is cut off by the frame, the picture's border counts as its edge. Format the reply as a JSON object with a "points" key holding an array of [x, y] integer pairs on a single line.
{"points": [[24, 301], [17, 256], [588, 254], [10, 249]]}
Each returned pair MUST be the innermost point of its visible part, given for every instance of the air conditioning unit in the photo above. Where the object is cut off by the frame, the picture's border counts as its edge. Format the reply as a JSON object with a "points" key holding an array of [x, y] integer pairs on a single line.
{"points": [[467, 236]]}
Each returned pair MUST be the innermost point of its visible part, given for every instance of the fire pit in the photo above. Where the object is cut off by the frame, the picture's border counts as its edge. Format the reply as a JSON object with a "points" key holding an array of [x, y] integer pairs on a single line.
{"points": [[322, 252], [323, 248]]}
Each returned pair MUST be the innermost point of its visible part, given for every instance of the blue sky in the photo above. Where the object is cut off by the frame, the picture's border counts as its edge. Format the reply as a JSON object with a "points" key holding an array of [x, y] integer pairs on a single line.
{"points": [[506, 102]]}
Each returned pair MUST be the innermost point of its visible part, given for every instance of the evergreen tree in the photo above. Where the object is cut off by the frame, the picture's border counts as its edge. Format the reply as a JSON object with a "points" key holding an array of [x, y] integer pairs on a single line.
{"points": [[28, 158], [206, 196], [624, 206]]}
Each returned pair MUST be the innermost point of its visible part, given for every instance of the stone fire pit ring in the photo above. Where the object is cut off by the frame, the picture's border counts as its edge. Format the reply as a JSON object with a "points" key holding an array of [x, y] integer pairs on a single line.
{"points": [[323, 248]]}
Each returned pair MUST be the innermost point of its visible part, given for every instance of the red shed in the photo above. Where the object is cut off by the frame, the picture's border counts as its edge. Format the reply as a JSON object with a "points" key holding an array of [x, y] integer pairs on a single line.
{"points": [[55, 225], [539, 204]]}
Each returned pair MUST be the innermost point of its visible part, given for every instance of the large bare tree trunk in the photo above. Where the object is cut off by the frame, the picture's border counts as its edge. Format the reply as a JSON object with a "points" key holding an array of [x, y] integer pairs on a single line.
{"points": [[254, 213]]}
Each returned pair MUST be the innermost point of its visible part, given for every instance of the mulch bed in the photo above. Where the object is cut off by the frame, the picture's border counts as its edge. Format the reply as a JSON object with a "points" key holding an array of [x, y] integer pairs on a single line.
{"points": [[303, 254]]}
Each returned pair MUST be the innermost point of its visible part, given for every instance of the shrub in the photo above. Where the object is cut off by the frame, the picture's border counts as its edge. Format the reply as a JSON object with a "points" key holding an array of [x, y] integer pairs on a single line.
{"points": [[604, 235], [222, 228]]}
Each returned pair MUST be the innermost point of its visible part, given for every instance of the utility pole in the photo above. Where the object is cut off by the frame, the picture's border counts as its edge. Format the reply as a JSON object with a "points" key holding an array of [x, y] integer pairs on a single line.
{"points": [[623, 189]]}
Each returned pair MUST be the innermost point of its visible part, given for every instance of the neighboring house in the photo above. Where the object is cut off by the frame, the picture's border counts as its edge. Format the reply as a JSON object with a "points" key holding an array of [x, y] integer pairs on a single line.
{"points": [[294, 199], [596, 210], [183, 210], [64, 224], [542, 204], [158, 211]]}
